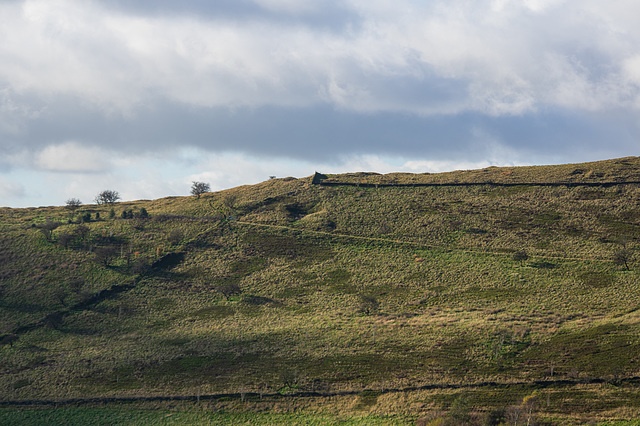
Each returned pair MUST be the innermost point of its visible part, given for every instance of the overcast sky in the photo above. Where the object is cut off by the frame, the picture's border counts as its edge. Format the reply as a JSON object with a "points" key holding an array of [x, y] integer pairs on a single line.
{"points": [[146, 96]]}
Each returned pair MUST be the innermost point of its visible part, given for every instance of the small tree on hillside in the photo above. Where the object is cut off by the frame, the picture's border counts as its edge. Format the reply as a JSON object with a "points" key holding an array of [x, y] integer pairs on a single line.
{"points": [[107, 197], [105, 255], [82, 232], [622, 257], [228, 290], [73, 204], [64, 238], [47, 229], [368, 304], [199, 188], [142, 214]]}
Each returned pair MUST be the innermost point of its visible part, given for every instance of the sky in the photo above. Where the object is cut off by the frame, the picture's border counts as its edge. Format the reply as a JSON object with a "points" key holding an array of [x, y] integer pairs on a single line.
{"points": [[146, 96]]}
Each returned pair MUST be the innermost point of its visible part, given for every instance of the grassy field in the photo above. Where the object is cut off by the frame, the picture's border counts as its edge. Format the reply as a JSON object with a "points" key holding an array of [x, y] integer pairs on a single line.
{"points": [[431, 304]]}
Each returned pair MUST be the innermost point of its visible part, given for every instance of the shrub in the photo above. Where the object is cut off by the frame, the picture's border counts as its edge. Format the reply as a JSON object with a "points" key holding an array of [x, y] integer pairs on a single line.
{"points": [[368, 304], [520, 256], [82, 232]]}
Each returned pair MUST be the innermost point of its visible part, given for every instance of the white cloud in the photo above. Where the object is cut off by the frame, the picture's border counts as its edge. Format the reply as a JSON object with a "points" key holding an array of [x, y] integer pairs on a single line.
{"points": [[73, 157], [505, 57]]}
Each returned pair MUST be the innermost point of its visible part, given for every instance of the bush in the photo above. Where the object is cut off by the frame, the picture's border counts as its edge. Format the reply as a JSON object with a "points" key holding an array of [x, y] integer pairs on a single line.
{"points": [[64, 238], [520, 256], [82, 232], [368, 304]]}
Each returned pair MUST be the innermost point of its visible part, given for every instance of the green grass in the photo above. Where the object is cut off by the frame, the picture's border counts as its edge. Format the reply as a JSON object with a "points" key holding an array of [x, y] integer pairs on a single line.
{"points": [[454, 307], [128, 416]]}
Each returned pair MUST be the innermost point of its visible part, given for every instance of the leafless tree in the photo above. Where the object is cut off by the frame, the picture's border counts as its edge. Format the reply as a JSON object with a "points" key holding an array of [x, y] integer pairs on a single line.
{"points": [[73, 204], [199, 188], [107, 197], [622, 257], [229, 289], [47, 229], [105, 255]]}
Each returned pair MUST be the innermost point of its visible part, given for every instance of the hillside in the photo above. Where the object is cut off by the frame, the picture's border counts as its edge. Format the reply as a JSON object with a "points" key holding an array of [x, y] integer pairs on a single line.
{"points": [[469, 296]]}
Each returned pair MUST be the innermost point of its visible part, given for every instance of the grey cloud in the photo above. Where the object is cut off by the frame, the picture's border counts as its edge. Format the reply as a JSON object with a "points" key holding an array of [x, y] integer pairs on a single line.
{"points": [[436, 79], [330, 15], [322, 133]]}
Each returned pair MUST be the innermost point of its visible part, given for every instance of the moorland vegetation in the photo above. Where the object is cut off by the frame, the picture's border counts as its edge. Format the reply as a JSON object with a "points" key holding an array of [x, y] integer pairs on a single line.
{"points": [[502, 295]]}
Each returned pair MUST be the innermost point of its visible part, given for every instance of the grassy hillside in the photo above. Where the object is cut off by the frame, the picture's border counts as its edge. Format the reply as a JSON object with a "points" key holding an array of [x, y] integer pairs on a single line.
{"points": [[476, 303]]}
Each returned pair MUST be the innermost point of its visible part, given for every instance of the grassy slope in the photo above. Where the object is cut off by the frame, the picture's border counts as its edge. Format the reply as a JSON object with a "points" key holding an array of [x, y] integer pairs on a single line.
{"points": [[455, 308]]}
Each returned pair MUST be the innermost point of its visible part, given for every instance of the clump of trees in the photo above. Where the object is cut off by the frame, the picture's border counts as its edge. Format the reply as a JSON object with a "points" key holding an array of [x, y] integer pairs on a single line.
{"points": [[199, 188], [130, 214]]}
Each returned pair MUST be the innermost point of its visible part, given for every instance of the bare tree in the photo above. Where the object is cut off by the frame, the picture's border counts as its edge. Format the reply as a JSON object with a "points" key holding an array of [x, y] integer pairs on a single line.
{"points": [[105, 255], [199, 188], [228, 290], [73, 204], [47, 229], [622, 257], [107, 197]]}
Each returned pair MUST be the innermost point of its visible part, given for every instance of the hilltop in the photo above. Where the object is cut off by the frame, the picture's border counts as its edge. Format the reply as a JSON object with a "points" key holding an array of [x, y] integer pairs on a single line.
{"points": [[468, 296]]}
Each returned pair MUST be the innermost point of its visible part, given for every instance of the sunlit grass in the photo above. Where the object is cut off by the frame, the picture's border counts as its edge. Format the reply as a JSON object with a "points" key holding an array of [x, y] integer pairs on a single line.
{"points": [[453, 305]]}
